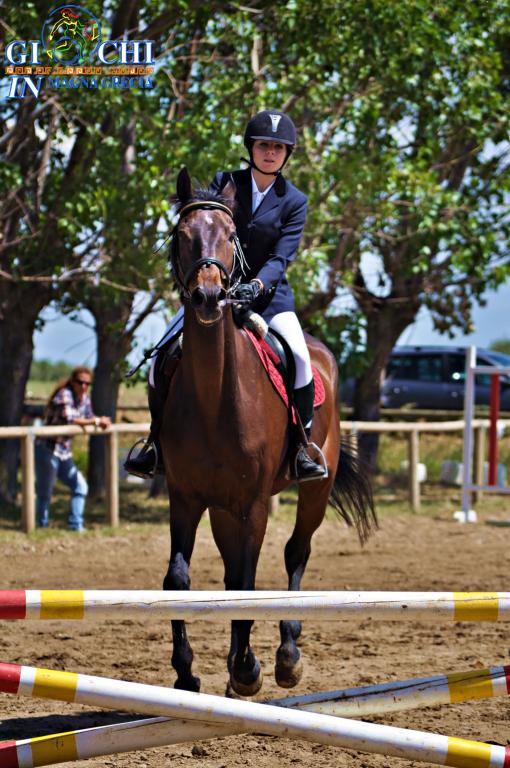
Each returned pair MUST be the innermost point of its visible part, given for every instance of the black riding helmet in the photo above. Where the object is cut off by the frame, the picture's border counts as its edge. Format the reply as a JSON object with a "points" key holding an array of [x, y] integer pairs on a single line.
{"points": [[270, 125]]}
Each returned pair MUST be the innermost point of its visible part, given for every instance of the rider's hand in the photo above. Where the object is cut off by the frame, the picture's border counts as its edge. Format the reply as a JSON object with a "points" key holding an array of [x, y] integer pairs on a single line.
{"points": [[247, 293]]}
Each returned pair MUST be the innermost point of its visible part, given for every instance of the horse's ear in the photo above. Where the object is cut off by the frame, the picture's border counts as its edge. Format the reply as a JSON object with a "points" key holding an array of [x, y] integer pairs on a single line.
{"points": [[229, 192], [184, 190]]}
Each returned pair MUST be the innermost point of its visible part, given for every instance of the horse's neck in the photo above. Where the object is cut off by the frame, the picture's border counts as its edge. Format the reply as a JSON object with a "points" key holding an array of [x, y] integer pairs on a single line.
{"points": [[210, 364]]}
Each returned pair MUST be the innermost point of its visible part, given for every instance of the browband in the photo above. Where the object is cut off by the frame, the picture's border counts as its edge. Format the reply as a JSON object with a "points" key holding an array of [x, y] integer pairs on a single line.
{"points": [[205, 204]]}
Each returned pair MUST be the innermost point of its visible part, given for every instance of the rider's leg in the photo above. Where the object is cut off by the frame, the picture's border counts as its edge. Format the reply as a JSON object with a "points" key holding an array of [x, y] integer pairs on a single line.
{"points": [[149, 461], [287, 324]]}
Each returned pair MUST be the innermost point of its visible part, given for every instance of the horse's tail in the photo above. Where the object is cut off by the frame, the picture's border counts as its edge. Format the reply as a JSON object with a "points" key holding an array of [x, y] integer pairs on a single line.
{"points": [[351, 495]]}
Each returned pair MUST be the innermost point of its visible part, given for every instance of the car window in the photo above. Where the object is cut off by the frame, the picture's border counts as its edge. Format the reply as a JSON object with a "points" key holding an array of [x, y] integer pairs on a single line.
{"points": [[500, 358], [430, 368], [416, 367], [457, 370], [402, 367]]}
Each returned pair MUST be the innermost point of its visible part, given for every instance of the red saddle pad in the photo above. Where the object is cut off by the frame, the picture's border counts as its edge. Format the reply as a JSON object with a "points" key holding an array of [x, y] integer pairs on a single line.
{"points": [[269, 360]]}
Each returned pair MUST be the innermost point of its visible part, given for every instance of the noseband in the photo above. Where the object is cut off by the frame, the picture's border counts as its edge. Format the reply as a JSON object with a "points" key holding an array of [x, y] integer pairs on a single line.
{"points": [[239, 265]]}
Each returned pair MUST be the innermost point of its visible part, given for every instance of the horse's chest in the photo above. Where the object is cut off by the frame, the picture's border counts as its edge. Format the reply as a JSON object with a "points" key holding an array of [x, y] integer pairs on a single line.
{"points": [[217, 470]]}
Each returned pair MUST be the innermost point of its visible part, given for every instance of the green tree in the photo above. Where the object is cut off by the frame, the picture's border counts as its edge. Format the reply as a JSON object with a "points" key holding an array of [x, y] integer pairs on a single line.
{"points": [[501, 345], [53, 219], [403, 117], [403, 114]]}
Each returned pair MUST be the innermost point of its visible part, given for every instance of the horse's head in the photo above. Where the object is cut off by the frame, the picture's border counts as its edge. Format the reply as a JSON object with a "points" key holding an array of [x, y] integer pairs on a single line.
{"points": [[203, 248]]}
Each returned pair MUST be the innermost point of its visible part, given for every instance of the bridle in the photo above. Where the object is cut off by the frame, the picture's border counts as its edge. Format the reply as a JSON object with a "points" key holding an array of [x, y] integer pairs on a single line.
{"points": [[232, 278], [239, 264]]}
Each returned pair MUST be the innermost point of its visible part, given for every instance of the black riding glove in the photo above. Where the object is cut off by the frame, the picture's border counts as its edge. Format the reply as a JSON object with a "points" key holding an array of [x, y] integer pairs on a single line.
{"points": [[247, 293]]}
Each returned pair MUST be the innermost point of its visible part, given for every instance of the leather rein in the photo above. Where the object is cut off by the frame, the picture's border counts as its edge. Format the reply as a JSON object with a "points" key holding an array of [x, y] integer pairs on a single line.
{"points": [[239, 264]]}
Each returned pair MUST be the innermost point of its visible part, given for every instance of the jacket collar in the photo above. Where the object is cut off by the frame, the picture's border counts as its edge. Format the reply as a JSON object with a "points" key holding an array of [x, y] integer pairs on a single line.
{"points": [[242, 180]]}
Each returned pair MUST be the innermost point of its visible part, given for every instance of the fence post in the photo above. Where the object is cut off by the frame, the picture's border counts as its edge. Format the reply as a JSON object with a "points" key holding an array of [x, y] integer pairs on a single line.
{"points": [[413, 458], [27, 483], [274, 505], [112, 478], [480, 435]]}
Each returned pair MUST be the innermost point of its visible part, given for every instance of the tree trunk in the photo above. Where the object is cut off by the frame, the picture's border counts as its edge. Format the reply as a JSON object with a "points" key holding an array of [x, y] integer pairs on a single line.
{"points": [[19, 310], [384, 326], [113, 344]]}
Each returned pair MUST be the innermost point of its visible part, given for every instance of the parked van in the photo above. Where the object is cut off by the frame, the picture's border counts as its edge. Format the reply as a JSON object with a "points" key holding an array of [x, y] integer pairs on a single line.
{"points": [[433, 377]]}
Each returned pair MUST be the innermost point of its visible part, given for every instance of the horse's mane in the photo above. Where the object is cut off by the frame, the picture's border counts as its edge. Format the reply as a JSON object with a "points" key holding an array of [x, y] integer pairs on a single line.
{"points": [[202, 193]]}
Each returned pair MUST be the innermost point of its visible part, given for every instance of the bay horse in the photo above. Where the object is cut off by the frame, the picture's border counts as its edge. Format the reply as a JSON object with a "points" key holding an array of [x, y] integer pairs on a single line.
{"points": [[224, 439]]}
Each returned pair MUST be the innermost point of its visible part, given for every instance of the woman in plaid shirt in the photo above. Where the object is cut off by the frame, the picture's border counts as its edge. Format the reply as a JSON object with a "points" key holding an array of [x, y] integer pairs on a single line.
{"points": [[69, 403]]}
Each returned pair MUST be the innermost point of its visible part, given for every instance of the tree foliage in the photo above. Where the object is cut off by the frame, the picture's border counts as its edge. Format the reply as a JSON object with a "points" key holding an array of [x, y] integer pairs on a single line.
{"points": [[501, 345], [402, 112]]}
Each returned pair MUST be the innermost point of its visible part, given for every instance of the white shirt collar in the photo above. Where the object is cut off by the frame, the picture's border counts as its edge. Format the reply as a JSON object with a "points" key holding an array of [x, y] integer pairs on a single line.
{"points": [[256, 195]]}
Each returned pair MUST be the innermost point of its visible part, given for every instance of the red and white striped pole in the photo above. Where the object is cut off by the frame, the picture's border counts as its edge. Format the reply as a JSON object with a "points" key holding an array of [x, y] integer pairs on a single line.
{"points": [[227, 715], [493, 430]]}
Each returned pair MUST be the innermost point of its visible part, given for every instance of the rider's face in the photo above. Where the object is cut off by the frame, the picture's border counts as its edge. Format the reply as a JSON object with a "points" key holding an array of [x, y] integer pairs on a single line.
{"points": [[268, 155]]}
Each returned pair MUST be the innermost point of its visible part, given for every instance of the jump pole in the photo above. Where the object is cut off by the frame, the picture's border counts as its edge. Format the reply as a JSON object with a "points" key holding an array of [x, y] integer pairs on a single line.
{"points": [[161, 731], [213, 605], [105, 740], [250, 716]]}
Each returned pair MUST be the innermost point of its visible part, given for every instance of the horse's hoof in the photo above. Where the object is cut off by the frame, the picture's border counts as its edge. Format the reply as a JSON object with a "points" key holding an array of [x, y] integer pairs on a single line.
{"points": [[230, 693], [190, 683], [288, 675], [247, 688]]}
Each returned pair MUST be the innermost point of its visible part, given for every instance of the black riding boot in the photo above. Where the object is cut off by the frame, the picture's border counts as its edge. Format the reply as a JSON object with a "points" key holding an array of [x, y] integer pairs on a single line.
{"points": [[149, 461], [306, 468]]}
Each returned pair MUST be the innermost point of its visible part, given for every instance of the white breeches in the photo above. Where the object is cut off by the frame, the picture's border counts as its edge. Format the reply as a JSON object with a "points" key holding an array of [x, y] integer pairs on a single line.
{"points": [[285, 323], [288, 326]]}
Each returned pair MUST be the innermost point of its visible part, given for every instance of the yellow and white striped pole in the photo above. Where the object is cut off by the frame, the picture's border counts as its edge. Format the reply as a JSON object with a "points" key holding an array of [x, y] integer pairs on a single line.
{"points": [[162, 731], [105, 740], [212, 605], [240, 716], [400, 695]]}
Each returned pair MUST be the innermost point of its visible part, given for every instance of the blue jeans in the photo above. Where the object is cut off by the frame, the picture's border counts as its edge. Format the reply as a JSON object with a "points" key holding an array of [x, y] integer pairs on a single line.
{"points": [[48, 468]]}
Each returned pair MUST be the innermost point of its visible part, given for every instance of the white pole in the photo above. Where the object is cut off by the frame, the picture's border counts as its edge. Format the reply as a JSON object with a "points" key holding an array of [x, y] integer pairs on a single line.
{"points": [[249, 716], [217, 604], [467, 515]]}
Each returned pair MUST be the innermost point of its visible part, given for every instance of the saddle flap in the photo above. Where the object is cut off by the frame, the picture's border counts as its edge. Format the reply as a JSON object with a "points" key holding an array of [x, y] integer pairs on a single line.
{"points": [[282, 357], [267, 356]]}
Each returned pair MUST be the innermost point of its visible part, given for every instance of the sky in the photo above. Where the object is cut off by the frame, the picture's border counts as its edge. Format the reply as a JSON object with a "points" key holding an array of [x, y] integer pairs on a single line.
{"points": [[63, 339]]}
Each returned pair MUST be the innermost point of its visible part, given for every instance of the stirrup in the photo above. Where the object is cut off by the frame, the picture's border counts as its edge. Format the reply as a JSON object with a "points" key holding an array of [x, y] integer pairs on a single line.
{"points": [[146, 446], [322, 462]]}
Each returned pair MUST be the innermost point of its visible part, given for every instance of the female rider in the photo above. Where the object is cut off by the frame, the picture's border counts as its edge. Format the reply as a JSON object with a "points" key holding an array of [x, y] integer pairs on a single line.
{"points": [[269, 217]]}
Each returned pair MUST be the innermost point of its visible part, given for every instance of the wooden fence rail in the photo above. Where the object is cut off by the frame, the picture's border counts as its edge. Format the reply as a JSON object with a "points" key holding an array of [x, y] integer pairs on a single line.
{"points": [[27, 435]]}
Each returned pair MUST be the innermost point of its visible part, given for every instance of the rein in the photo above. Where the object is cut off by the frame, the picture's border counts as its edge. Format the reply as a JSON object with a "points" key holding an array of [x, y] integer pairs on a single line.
{"points": [[239, 264]]}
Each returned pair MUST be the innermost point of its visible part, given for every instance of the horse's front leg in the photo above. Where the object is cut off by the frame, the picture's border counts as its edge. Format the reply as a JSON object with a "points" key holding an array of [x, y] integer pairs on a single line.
{"points": [[184, 519], [313, 499], [239, 542]]}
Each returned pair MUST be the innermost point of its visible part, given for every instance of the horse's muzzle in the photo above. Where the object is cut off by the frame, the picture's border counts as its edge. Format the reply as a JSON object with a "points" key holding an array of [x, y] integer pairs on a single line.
{"points": [[205, 300]]}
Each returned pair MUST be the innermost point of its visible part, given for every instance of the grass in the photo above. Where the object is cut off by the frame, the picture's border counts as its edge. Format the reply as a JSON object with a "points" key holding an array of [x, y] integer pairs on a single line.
{"points": [[140, 514], [135, 395]]}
